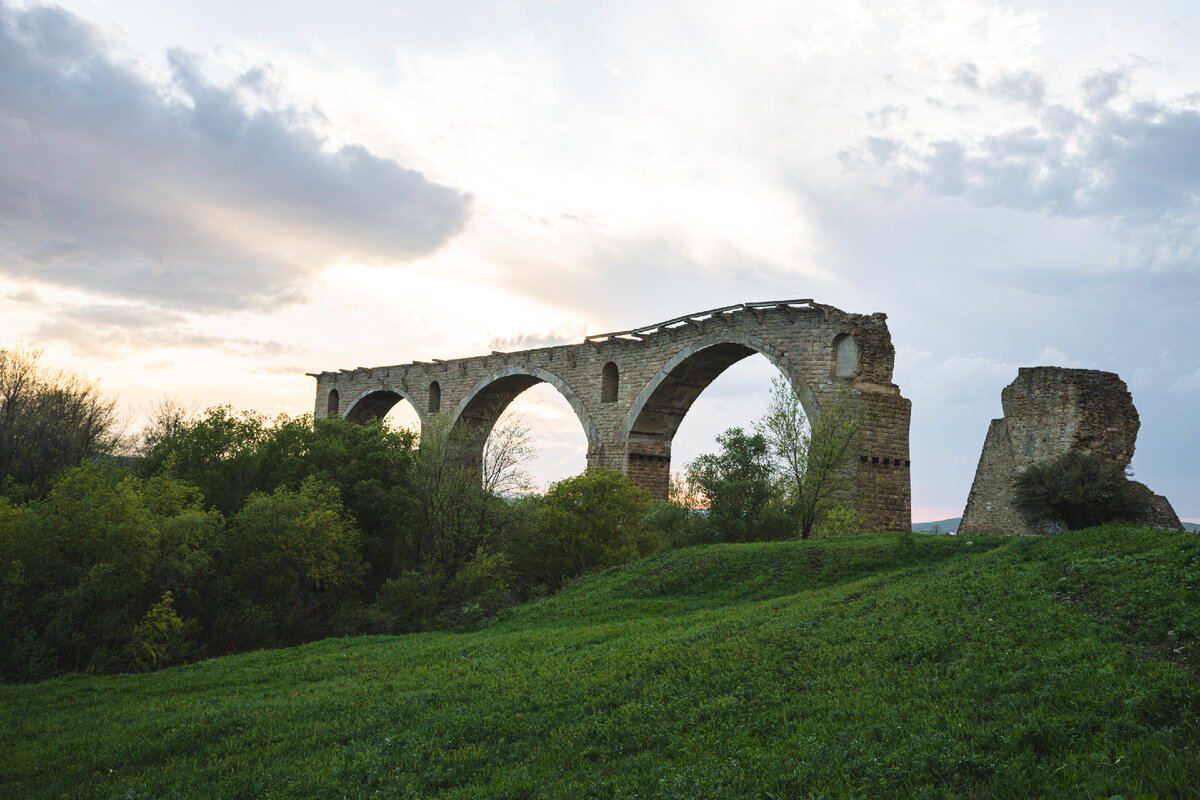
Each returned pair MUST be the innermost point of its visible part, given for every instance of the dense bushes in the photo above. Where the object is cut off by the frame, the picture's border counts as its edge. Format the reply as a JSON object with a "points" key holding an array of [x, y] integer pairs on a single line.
{"points": [[1081, 490], [93, 574], [236, 532]]}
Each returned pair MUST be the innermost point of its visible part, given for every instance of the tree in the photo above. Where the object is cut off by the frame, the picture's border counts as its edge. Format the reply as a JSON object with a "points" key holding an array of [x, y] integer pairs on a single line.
{"points": [[739, 486], [168, 418], [585, 522], [1080, 489], [90, 562], [49, 422], [461, 507], [217, 453], [285, 563], [813, 456], [507, 454]]}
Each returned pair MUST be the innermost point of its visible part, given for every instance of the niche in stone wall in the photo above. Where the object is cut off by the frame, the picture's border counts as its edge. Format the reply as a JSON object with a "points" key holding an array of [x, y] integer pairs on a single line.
{"points": [[435, 397], [331, 409], [609, 382], [845, 356]]}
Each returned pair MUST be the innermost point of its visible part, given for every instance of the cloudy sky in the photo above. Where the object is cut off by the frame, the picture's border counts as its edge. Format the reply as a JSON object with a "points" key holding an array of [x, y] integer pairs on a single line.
{"points": [[208, 200]]}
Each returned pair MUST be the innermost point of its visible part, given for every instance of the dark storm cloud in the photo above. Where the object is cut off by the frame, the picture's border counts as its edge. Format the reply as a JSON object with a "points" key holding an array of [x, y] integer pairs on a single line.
{"points": [[180, 195]]}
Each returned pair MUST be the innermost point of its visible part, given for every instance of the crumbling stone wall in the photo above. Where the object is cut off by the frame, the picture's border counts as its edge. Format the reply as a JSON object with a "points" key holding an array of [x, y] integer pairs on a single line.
{"points": [[1049, 411]]}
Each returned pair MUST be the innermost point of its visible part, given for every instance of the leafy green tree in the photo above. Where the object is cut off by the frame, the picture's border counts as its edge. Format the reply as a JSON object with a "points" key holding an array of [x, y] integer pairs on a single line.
{"points": [[813, 457], [158, 640], [89, 562], [218, 453], [285, 563], [50, 422], [458, 513], [582, 523], [374, 468], [739, 486], [231, 455], [1080, 489]]}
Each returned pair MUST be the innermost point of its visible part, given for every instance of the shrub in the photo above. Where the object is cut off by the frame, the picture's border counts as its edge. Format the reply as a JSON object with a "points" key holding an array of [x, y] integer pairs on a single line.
{"points": [[294, 553], [739, 485], [585, 522], [157, 640], [486, 580], [410, 600], [1080, 489]]}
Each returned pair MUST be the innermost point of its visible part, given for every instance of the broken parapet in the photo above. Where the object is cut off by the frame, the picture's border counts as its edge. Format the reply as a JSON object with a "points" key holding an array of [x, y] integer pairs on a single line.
{"points": [[1049, 411]]}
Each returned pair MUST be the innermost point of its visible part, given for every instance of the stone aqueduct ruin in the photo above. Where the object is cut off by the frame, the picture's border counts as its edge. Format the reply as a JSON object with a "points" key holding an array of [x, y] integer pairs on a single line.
{"points": [[631, 389]]}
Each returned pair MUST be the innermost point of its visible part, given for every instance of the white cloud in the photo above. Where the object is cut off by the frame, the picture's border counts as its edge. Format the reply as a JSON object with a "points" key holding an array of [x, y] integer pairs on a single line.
{"points": [[182, 195]]}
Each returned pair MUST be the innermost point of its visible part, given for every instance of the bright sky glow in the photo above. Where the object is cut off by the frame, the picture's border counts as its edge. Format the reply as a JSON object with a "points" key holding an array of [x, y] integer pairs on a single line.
{"points": [[208, 200]]}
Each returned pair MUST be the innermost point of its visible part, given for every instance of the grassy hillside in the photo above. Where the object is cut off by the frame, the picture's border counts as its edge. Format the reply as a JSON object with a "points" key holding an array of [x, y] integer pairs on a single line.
{"points": [[914, 666]]}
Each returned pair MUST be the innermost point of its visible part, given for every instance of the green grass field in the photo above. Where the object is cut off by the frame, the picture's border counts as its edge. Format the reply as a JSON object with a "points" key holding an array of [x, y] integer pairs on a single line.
{"points": [[882, 666]]}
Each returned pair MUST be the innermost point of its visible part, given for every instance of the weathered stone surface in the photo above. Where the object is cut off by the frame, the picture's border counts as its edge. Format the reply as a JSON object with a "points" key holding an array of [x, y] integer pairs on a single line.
{"points": [[1159, 513], [1049, 411], [631, 390]]}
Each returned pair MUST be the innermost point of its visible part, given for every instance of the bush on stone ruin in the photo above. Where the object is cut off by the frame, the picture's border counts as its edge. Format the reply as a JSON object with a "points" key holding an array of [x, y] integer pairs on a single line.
{"points": [[1080, 490]]}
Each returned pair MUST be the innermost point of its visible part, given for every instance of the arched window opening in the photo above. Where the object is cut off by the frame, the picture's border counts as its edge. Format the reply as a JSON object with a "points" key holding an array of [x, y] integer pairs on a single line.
{"points": [[609, 383], [331, 409], [435, 397], [845, 356]]}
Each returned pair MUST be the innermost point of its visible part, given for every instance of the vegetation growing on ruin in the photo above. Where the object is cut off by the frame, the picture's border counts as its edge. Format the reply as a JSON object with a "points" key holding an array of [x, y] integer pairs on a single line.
{"points": [[877, 666], [1081, 490]]}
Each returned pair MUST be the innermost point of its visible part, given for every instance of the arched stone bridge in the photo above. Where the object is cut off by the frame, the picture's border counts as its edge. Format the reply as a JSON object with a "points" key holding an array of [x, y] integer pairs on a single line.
{"points": [[631, 389]]}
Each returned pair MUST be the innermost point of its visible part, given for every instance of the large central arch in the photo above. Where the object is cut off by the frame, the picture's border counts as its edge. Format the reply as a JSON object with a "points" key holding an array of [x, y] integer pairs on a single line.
{"points": [[659, 408], [631, 389]]}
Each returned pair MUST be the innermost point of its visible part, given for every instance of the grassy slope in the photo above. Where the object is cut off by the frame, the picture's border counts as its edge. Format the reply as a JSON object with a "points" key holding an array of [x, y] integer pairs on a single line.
{"points": [[867, 667]]}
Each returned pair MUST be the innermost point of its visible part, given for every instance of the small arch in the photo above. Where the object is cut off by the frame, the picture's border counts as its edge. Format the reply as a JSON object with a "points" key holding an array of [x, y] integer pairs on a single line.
{"points": [[845, 356], [609, 382], [491, 395], [376, 402], [331, 408], [435, 397]]}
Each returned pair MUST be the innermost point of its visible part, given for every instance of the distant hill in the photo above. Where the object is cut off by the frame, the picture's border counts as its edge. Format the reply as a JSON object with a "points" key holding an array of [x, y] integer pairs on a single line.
{"points": [[873, 666], [940, 526], [949, 525]]}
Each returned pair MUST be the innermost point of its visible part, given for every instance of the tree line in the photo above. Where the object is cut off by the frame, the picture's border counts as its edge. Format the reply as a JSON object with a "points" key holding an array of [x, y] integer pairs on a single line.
{"points": [[227, 531]]}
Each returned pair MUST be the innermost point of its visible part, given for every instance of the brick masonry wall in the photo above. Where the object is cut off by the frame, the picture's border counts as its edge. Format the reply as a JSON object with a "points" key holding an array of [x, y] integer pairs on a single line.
{"points": [[656, 386]]}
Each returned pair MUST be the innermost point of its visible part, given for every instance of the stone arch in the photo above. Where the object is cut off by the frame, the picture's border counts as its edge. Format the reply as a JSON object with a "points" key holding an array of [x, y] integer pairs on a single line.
{"points": [[487, 399], [331, 405], [610, 382], [660, 407], [375, 403]]}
